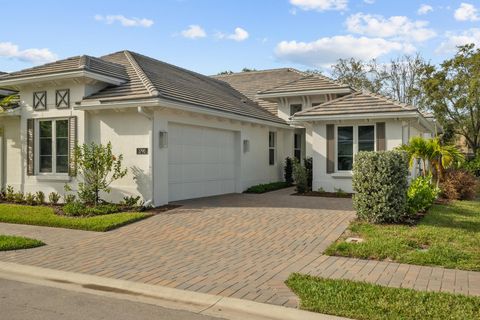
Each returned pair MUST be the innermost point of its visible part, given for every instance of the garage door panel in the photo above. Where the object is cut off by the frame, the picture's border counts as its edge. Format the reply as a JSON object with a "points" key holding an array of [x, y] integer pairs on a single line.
{"points": [[201, 162]]}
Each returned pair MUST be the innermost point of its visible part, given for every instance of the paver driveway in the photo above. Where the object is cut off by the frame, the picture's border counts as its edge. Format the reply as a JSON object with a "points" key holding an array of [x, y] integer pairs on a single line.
{"points": [[236, 245]]}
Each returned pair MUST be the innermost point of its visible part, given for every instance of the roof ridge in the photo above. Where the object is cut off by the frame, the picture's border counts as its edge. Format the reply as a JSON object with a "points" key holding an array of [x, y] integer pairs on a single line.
{"points": [[327, 103], [390, 100], [286, 84], [258, 71], [152, 90]]}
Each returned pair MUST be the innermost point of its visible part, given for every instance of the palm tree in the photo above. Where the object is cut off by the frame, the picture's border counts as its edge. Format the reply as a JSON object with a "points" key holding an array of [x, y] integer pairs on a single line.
{"points": [[417, 148]]}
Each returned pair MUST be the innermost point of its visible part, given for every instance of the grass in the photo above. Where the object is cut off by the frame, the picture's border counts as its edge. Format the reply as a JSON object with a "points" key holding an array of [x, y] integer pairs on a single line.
{"points": [[14, 243], [361, 300], [448, 236], [266, 187], [45, 216]]}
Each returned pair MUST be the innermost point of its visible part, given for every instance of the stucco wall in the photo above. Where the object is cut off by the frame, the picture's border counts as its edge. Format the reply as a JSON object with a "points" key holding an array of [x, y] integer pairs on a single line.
{"points": [[11, 155], [394, 131]]}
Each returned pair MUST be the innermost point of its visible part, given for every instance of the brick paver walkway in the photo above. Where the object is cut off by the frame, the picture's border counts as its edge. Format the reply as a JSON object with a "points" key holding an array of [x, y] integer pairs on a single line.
{"points": [[242, 246]]}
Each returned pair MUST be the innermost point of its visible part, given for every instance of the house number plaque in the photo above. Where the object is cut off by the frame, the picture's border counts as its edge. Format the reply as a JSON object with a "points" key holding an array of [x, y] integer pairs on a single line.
{"points": [[142, 150]]}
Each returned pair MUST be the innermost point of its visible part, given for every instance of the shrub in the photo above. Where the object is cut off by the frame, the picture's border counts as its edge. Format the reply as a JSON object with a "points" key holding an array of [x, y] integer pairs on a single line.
{"points": [[308, 163], [265, 187], [459, 184], [301, 179], [77, 208], [53, 198], [18, 197], [40, 197], [130, 201], [9, 194], [30, 199], [69, 198], [288, 170], [380, 180], [473, 165], [421, 194]]}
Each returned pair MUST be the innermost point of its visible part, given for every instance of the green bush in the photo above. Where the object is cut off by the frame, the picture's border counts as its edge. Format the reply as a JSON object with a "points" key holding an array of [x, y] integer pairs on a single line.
{"points": [[473, 165], [130, 201], [9, 194], [53, 198], [69, 198], [40, 197], [308, 163], [266, 187], [288, 170], [380, 182], [77, 208], [301, 177], [30, 199], [18, 197], [421, 194]]}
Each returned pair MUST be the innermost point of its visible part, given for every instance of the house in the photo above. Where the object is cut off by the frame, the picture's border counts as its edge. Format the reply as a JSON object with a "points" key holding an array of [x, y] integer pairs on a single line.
{"points": [[185, 135]]}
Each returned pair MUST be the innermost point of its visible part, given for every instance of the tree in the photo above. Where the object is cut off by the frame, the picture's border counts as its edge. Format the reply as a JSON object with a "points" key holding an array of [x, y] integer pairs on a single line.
{"points": [[225, 72], [399, 79], [9, 102], [248, 69], [97, 168], [453, 93]]}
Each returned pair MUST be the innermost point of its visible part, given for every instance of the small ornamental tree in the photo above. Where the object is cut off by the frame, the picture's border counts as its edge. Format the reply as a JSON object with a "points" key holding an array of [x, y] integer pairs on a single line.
{"points": [[380, 182], [288, 170], [97, 167]]}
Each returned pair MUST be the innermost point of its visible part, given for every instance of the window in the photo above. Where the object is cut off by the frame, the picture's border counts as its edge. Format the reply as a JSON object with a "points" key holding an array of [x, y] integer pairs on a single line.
{"points": [[271, 147], [350, 142], [294, 108], [62, 99], [40, 100], [297, 146], [53, 146], [344, 148], [366, 138]]}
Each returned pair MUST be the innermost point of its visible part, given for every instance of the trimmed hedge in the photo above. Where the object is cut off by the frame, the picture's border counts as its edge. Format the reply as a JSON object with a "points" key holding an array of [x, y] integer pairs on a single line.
{"points": [[266, 187], [380, 182]]}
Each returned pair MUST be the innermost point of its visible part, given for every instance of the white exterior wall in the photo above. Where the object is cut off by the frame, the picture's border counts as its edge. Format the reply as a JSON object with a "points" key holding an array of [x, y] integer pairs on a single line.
{"points": [[11, 153], [330, 182]]}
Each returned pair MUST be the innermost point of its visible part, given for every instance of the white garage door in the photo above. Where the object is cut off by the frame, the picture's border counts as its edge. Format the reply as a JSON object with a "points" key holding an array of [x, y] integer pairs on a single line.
{"points": [[201, 162]]}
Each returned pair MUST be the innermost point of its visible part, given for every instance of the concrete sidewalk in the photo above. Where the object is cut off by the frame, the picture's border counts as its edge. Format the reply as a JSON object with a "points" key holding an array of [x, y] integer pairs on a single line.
{"points": [[198, 303]]}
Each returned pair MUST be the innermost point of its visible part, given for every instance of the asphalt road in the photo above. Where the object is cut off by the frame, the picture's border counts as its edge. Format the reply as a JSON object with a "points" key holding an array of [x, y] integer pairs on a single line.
{"points": [[22, 301]]}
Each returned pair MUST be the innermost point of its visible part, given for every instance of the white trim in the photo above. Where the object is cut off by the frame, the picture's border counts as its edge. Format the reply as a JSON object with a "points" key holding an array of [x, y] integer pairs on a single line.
{"points": [[54, 175], [159, 103], [302, 93], [62, 75]]}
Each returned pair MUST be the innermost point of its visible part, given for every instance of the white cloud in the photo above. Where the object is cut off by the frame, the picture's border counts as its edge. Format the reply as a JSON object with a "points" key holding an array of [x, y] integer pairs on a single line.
{"points": [[193, 32], [33, 55], [466, 12], [320, 5], [457, 39], [424, 9], [397, 27], [124, 21], [326, 51], [369, 1], [239, 34]]}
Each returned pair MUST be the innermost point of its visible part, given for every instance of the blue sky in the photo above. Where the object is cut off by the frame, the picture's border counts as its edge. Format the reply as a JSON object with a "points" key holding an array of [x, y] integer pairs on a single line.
{"points": [[209, 36]]}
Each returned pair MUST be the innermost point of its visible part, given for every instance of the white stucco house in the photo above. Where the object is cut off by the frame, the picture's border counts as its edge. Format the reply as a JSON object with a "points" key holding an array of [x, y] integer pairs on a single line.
{"points": [[185, 135]]}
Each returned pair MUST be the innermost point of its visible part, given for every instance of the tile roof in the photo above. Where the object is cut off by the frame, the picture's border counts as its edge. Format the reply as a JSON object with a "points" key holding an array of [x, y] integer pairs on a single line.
{"points": [[250, 83], [307, 83], [77, 63], [148, 77], [356, 103]]}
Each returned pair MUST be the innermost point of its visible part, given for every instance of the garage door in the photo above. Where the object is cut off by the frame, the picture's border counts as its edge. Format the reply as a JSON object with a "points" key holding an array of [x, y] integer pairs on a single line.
{"points": [[201, 162]]}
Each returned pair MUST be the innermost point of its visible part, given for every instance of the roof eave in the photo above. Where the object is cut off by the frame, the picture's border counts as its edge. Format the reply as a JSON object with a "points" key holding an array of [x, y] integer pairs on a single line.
{"points": [[162, 102], [61, 76], [263, 95]]}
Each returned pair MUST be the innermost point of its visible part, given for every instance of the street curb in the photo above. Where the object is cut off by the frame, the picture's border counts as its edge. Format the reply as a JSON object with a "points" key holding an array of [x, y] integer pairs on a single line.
{"points": [[201, 303]]}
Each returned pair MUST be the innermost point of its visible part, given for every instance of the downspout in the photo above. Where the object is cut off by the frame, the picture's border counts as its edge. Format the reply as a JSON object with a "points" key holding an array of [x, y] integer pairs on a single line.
{"points": [[142, 111]]}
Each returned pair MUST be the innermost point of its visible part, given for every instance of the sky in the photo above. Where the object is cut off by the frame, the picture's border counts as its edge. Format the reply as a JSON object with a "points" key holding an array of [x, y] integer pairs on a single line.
{"points": [[209, 36]]}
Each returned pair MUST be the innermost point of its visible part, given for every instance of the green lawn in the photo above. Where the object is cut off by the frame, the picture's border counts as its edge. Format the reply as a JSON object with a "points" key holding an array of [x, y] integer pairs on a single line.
{"points": [[45, 216], [359, 300], [448, 236], [14, 243]]}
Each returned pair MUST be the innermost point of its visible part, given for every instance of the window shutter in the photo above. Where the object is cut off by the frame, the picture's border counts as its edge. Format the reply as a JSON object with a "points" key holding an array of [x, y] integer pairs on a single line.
{"points": [[30, 147], [330, 148], [381, 146], [72, 142]]}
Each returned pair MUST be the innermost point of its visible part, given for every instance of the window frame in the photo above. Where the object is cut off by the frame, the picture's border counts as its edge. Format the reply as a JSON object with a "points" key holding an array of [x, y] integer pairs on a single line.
{"points": [[54, 147], [355, 142], [274, 148], [37, 103], [66, 93]]}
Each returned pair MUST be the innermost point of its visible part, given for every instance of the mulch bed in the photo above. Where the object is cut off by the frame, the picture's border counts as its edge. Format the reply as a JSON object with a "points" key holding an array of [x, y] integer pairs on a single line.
{"points": [[324, 194]]}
